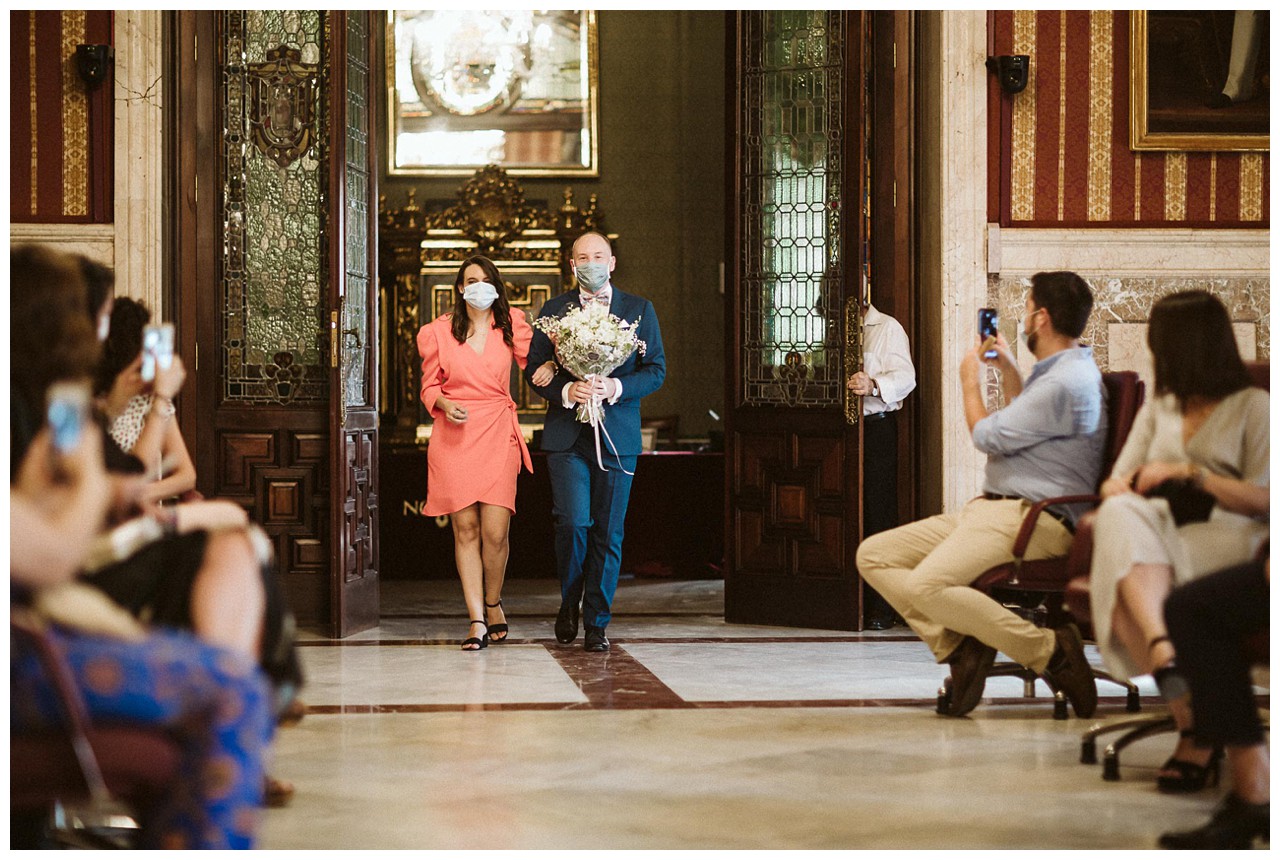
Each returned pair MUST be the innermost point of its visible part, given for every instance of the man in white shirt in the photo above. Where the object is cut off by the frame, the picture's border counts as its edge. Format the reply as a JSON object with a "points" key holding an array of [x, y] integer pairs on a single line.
{"points": [[886, 378]]}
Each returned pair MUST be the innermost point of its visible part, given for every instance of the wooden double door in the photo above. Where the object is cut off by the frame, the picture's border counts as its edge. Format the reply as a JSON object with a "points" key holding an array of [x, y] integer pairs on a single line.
{"points": [[819, 185], [274, 260]]}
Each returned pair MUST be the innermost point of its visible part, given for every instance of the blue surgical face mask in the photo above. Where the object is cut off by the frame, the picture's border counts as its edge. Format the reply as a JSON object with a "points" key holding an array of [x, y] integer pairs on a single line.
{"points": [[480, 295], [591, 276]]}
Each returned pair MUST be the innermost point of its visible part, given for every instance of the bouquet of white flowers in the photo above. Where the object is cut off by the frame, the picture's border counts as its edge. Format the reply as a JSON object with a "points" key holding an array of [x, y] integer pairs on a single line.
{"points": [[591, 343]]}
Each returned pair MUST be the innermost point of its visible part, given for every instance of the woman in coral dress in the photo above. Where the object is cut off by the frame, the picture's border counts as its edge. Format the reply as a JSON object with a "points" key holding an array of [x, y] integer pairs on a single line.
{"points": [[476, 447]]}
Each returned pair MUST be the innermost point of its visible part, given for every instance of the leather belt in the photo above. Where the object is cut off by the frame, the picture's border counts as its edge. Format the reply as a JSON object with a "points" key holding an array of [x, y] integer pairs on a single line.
{"points": [[1057, 515], [876, 416]]}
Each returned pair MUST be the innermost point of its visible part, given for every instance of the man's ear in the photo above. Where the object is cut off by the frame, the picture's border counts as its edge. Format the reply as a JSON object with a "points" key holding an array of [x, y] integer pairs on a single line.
{"points": [[613, 261]]}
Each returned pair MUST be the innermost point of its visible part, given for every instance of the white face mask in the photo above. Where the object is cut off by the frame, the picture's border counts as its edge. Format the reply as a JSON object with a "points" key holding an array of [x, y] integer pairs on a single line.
{"points": [[480, 295], [104, 328]]}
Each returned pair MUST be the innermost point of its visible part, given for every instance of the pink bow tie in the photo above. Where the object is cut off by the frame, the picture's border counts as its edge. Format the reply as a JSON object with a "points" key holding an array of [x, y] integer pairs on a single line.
{"points": [[601, 298]]}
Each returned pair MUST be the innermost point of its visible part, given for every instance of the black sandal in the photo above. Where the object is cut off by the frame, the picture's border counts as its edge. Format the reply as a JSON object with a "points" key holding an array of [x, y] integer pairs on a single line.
{"points": [[502, 628], [482, 642], [1190, 777]]}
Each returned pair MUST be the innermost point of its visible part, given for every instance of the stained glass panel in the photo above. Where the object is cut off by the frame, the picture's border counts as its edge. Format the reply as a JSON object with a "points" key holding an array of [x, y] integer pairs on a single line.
{"points": [[274, 273], [355, 348], [793, 271]]}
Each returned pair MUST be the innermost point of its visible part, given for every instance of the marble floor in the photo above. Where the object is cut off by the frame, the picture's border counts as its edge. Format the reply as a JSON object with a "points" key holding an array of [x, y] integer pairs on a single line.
{"points": [[690, 734]]}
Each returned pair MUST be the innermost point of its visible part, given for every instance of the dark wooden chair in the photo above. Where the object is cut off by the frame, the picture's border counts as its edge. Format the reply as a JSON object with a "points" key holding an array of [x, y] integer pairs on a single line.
{"points": [[84, 785], [667, 427], [1034, 588], [1076, 597]]}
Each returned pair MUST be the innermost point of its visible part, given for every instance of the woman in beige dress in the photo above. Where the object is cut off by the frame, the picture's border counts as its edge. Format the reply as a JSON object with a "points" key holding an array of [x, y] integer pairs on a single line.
{"points": [[1206, 427]]}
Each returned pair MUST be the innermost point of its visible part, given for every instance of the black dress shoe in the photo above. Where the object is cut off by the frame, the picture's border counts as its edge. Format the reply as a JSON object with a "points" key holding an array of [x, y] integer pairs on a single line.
{"points": [[595, 640], [1234, 825], [1069, 671], [567, 623], [880, 622], [970, 663]]}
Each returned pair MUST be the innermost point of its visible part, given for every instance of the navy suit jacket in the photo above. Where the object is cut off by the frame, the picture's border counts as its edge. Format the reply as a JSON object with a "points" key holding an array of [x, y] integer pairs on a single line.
{"points": [[640, 375]]}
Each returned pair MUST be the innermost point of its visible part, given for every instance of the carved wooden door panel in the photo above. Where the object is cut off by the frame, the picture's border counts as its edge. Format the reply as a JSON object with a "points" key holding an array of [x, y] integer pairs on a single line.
{"points": [[797, 245], [274, 234], [353, 326]]}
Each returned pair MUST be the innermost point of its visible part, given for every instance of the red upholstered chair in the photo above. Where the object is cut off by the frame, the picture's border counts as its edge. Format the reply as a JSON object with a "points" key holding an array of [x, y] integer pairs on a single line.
{"points": [[1034, 588], [87, 785], [1078, 607]]}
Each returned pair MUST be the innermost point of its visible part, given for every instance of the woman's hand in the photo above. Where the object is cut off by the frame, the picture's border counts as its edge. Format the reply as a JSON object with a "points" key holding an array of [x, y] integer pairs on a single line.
{"points": [[1115, 487], [544, 374], [1152, 475], [127, 385], [455, 413]]}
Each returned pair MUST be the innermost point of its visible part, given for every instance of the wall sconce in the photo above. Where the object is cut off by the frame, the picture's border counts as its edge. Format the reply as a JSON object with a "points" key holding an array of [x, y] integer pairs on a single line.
{"points": [[93, 62], [1011, 71]]}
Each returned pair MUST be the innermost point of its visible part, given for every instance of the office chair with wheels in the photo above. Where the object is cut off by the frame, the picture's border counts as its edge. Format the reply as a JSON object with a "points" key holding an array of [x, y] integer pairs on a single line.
{"points": [[1079, 607], [1034, 588]]}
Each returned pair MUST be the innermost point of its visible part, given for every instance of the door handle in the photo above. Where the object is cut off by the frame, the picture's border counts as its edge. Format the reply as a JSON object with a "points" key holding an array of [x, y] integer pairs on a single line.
{"points": [[852, 358]]}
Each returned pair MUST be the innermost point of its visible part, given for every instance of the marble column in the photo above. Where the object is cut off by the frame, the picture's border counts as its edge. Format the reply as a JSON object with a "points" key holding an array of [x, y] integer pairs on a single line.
{"points": [[139, 157], [953, 259]]}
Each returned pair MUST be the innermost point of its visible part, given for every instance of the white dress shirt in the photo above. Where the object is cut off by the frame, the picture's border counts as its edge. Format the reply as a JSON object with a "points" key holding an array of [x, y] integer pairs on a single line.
{"points": [[886, 358]]}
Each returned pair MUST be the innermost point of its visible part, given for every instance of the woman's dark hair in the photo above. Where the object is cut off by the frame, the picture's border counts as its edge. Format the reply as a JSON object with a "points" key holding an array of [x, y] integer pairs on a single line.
{"points": [[1194, 348], [99, 285], [51, 334], [501, 309], [1066, 298], [124, 341]]}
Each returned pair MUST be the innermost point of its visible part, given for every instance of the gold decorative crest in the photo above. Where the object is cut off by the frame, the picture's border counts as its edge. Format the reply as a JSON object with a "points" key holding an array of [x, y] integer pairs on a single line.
{"points": [[282, 98]]}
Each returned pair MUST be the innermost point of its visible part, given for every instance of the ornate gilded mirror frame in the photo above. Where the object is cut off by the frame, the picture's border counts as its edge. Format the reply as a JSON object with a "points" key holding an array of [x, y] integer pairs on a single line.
{"points": [[470, 87]]}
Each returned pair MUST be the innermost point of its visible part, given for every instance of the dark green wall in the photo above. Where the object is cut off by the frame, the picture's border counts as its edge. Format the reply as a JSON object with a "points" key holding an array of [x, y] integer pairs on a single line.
{"points": [[661, 187]]}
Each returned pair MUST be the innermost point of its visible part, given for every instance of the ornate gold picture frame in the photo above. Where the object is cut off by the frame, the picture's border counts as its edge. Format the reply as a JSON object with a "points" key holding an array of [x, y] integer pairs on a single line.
{"points": [[1180, 63], [467, 88]]}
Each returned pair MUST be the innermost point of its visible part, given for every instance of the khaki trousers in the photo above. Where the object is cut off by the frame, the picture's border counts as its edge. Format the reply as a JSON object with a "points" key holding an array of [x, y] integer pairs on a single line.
{"points": [[924, 569]]}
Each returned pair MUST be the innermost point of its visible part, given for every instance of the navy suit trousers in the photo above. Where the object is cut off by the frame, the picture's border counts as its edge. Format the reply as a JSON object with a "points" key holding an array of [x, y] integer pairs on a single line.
{"points": [[589, 506]]}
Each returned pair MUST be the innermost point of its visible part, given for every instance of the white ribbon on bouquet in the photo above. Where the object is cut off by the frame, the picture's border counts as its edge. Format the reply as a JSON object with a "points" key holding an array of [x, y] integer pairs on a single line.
{"points": [[595, 415]]}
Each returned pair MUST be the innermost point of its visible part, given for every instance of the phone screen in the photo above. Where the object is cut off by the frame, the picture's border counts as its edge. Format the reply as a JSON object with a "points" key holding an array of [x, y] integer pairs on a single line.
{"points": [[988, 326], [68, 412], [150, 342]]}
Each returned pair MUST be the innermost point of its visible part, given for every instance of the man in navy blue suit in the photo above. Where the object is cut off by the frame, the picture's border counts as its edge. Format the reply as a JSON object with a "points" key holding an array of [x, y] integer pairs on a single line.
{"points": [[589, 503]]}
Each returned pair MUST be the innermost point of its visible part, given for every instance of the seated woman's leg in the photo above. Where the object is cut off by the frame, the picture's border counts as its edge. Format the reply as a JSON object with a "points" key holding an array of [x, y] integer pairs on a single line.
{"points": [[215, 702], [227, 599]]}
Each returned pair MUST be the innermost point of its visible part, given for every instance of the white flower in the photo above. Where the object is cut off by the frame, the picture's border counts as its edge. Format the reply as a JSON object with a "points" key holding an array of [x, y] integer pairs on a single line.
{"points": [[591, 342]]}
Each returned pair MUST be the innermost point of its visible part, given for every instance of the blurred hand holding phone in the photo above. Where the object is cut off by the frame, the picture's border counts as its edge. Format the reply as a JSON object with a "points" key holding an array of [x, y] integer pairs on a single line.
{"points": [[157, 349], [988, 329], [68, 415]]}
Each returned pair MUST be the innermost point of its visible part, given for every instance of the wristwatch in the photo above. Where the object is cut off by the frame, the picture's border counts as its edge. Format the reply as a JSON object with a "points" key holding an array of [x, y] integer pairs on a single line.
{"points": [[875, 388]]}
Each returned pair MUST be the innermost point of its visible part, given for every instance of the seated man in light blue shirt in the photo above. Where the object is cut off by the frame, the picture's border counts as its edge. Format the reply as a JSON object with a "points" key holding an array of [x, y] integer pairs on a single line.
{"points": [[1048, 441]]}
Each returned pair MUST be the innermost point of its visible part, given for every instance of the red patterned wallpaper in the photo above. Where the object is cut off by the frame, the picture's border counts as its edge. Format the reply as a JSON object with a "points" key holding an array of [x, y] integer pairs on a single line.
{"points": [[61, 137], [1059, 151]]}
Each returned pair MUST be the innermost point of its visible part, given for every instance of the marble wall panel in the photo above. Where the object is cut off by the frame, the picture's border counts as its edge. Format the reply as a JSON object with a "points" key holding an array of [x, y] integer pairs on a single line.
{"points": [[1122, 306]]}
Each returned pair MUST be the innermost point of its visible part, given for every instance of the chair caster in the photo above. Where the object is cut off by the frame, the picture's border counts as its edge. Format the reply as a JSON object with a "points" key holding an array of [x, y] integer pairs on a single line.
{"points": [[1088, 751], [1111, 767], [1059, 706], [1132, 701], [944, 698]]}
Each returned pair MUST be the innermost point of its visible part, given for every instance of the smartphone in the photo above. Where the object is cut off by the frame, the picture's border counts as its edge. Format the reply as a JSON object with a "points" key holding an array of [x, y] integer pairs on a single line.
{"points": [[157, 349], [988, 326], [68, 414]]}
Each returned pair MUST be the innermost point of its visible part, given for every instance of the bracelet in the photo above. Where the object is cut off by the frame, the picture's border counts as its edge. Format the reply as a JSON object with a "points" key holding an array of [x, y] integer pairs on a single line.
{"points": [[164, 411]]}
